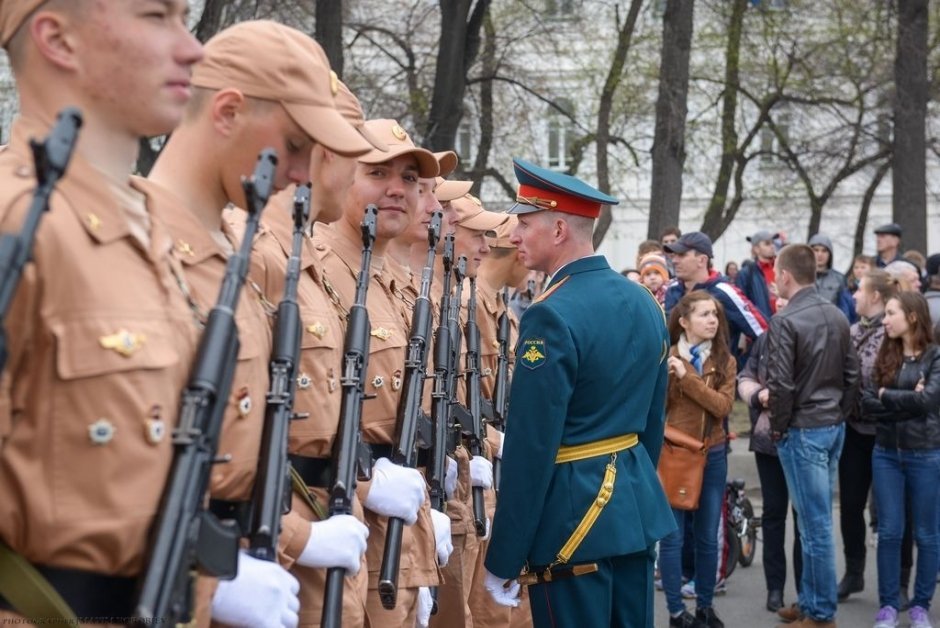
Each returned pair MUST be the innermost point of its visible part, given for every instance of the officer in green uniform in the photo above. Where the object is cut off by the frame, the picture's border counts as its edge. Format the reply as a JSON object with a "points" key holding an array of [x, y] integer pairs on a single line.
{"points": [[580, 505]]}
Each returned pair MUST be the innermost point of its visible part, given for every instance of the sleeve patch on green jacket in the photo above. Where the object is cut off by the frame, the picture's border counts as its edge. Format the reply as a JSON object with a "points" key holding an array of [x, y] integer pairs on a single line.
{"points": [[534, 353]]}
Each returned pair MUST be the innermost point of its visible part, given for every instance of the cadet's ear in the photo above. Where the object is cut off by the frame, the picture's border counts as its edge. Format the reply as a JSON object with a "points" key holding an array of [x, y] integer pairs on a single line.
{"points": [[228, 108], [55, 35]]}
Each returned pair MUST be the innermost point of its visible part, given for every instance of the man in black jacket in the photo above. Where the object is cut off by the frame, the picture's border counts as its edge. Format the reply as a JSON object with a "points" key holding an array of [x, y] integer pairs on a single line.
{"points": [[812, 376]]}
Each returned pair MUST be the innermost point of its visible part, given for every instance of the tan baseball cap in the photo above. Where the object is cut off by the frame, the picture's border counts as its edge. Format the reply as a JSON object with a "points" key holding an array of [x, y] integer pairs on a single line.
{"points": [[471, 215], [12, 15], [271, 61], [399, 143], [447, 160], [350, 108], [449, 190], [501, 239]]}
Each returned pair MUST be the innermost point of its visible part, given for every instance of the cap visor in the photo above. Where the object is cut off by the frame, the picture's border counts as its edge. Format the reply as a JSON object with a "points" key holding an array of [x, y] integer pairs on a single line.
{"points": [[523, 208], [676, 248], [451, 190], [427, 162], [372, 138], [447, 159], [328, 127], [485, 221]]}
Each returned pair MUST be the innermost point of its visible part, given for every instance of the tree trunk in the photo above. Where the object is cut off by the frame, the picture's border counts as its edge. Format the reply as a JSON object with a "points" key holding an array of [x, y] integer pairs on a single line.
{"points": [[486, 105], [859, 243], [459, 46], [210, 22], [909, 175], [671, 110], [329, 32], [712, 225], [614, 77]]}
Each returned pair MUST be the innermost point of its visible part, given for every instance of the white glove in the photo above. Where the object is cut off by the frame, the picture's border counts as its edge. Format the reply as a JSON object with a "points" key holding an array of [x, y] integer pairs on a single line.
{"points": [[262, 595], [504, 596], [339, 541], [481, 472], [486, 537], [425, 604], [502, 439], [442, 537], [450, 478], [396, 491]]}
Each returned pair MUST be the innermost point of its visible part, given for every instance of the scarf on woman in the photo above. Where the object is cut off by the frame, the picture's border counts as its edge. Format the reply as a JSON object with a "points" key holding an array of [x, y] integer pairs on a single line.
{"points": [[697, 355]]}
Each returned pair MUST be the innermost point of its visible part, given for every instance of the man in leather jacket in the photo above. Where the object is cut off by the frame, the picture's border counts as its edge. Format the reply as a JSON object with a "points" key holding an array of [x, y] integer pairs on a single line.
{"points": [[812, 376]]}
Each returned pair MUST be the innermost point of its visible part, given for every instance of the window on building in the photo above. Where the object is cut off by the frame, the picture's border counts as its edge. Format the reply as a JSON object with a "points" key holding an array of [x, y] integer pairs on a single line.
{"points": [[560, 8], [560, 133], [769, 142], [465, 143]]}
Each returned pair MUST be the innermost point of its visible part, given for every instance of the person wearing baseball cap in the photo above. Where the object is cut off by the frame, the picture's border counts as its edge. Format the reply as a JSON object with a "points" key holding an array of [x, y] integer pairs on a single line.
{"points": [[100, 338], [756, 277], [588, 386], [887, 244]]}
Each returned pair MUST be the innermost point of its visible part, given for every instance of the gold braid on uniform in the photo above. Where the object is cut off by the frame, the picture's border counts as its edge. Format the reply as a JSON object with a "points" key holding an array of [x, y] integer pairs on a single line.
{"points": [[199, 315]]}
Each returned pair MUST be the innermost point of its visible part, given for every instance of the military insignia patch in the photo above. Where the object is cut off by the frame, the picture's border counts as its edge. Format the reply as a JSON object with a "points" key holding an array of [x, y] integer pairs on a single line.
{"points": [[533, 353]]}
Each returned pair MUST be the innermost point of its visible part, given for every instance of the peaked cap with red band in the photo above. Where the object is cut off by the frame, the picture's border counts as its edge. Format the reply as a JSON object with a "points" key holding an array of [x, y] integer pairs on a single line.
{"points": [[543, 189]]}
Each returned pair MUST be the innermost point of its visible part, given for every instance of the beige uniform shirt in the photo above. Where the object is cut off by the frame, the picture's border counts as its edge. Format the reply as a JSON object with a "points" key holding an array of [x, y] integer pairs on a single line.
{"points": [[390, 319], [101, 340], [204, 262]]}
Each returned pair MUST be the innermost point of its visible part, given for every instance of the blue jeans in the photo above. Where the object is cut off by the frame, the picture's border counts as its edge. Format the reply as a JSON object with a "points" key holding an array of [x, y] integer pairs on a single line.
{"points": [[705, 525], [915, 473], [810, 460]]}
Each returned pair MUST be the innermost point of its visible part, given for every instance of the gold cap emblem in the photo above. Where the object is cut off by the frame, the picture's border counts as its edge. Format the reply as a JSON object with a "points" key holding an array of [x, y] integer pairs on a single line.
{"points": [[123, 342], [476, 201], [399, 133]]}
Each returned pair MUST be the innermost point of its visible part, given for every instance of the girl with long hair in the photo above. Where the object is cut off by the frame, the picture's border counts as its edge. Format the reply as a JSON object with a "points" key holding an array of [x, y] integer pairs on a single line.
{"points": [[905, 401], [700, 395]]}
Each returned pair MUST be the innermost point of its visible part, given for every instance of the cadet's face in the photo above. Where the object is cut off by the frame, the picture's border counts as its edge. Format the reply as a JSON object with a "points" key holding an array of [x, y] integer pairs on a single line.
{"points": [[427, 205], [473, 245], [392, 186], [135, 59], [332, 176], [534, 237], [267, 126]]}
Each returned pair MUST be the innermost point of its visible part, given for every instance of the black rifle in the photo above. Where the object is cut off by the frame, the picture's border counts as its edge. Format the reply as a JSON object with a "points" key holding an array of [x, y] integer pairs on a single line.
{"points": [[51, 158], [347, 446], [186, 534], [474, 433], [271, 497], [409, 412], [458, 415], [440, 395], [501, 389]]}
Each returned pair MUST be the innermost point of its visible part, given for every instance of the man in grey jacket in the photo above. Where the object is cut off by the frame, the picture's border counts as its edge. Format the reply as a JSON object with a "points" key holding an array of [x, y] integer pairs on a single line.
{"points": [[812, 376]]}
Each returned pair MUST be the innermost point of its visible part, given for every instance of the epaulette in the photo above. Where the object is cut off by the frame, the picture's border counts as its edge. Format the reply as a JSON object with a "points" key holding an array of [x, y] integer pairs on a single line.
{"points": [[550, 291]]}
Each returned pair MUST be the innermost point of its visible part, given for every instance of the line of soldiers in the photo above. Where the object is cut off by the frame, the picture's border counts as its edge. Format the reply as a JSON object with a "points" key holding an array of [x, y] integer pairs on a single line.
{"points": [[107, 320]]}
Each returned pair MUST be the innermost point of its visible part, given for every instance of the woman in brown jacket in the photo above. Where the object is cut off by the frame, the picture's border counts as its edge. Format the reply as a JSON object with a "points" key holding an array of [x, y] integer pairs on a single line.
{"points": [[701, 392]]}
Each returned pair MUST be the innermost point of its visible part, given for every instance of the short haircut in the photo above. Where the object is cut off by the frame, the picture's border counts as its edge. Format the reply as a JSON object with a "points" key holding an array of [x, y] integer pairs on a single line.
{"points": [[676, 231], [18, 42], [800, 261]]}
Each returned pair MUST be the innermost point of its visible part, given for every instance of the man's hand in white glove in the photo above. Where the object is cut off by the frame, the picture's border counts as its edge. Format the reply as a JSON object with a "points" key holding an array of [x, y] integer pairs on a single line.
{"points": [[442, 536], [481, 472], [450, 478], [339, 541], [425, 604], [395, 491], [263, 595], [502, 595]]}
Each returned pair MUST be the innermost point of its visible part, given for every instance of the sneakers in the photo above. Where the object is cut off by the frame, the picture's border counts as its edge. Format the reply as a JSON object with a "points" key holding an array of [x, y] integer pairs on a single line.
{"points": [[708, 618], [919, 618], [688, 590], [887, 617], [685, 620], [721, 587]]}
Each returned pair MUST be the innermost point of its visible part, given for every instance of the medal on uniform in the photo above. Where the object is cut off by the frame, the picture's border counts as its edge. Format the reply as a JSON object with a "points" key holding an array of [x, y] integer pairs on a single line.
{"points": [[123, 342], [244, 401], [154, 427], [304, 381], [101, 431]]}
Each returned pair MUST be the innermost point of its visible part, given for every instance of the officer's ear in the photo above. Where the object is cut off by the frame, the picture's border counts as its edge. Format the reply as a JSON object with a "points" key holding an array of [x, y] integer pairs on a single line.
{"points": [[562, 230]]}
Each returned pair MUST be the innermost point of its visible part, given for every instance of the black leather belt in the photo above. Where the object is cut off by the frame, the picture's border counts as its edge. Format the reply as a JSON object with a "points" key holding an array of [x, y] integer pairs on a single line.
{"points": [[314, 471], [227, 510], [90, 595], [385, 451]]}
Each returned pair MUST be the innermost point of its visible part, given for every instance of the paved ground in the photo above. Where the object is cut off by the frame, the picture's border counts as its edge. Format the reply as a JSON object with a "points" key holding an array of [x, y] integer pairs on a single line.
{"points": [[743, 605]]}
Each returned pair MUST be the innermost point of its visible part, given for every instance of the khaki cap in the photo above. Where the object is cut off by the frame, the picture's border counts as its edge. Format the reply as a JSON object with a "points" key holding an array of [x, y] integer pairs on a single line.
{"points": [[270, 61], [471, 215], [501, 239], [349, 107], [447, 160], [399, 143], [450, 190], [12, 15]]}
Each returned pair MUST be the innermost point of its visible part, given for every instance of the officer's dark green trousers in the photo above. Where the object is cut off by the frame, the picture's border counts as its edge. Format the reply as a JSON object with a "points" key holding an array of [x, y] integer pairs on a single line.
{"points": [[619, 594]]}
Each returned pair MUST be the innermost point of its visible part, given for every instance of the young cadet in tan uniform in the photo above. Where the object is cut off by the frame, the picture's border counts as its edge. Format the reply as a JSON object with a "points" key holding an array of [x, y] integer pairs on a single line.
{"points": [[500, 269], [390, 181], [101, 337], [261, 84], [310, 543]]}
